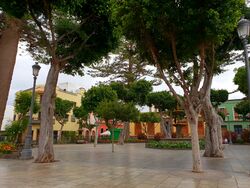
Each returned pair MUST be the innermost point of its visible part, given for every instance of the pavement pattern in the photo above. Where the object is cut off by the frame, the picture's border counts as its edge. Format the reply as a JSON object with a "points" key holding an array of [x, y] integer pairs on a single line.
{"points": [[130, 166]]}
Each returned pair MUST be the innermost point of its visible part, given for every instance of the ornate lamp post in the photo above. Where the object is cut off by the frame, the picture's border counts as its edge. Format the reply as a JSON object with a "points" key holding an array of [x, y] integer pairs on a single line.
{"points": [[26, 152], [243, 32]]}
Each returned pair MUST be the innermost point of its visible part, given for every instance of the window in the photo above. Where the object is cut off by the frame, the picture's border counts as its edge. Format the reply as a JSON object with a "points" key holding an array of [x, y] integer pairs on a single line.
{"points": [[101, 130]]}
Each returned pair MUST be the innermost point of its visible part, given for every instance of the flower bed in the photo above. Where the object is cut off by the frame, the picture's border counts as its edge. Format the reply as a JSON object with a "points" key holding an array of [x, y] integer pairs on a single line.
{"points": [[167, 144], [8, 151]]}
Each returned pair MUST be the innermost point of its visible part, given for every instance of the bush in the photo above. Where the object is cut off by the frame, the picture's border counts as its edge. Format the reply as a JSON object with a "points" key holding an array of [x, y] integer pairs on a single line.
{"points": [[142, 136], [6, 147], [245, 135], [166, 144], [68, 137], [15, 129], [234, 137]]}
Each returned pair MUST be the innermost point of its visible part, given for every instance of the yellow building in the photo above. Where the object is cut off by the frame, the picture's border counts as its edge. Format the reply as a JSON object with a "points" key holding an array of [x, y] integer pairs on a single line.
{"points": [[71, 124]]}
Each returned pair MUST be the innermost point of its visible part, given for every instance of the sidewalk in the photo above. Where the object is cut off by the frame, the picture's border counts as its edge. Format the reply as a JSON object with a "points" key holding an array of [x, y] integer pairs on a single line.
{"points": [[131, 165]]}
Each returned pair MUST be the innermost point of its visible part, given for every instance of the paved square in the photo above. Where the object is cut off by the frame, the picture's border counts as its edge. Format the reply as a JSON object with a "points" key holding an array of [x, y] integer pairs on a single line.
{"points": [[132, 165]]}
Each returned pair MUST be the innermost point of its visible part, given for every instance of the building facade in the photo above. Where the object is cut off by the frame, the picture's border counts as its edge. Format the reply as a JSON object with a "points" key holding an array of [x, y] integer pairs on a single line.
{"points": [[71, 123], [233, 122]]}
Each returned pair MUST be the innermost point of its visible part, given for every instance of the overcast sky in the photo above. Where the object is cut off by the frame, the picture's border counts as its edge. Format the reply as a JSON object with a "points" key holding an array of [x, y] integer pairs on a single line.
{"points": [[23, 79]]}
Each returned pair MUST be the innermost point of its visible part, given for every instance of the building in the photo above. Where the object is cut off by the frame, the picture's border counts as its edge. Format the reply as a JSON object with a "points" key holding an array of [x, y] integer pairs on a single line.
{"points": [[233, 122], [70, 125]]}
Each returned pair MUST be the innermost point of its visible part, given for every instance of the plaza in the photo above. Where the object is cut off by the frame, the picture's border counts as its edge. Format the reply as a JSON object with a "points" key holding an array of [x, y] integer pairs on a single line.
{"points": [[131, 165]]}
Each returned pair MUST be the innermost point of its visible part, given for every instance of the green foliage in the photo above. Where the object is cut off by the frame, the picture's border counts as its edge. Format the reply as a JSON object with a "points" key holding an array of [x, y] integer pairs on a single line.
{"points": [[240, 79], [126, 67], [121, 90], [162, 100], [243, 108], [62, 108], [128, 112], [6, 147], [81, 114], [15, 8], [218, 96], [23, 102], [114, 110], [68, 137], [15, 129], [138, 91], [222, 114], [150, 117], [245, 135], [97, 94], [165, 144], [108, 110]]}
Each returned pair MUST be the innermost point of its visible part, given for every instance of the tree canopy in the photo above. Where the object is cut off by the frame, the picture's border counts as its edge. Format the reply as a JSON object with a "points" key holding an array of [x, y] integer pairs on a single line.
{"points": [[97, 94], [218, 96], [150, 117], [240, 79], [23, 102], [243, 108], [62, 109], [161, 100]]}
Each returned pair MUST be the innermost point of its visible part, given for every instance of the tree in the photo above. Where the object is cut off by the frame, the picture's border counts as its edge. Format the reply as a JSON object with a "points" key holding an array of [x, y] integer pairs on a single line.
{"points": [[128, 112], [11, 27], [93, 98], [243, 108], [126, 67], [62, 109], [109, 110], [240, 80], [213, 135], [135, 93], [67, 35], [163, 101], [22, 104], [176, 38]]}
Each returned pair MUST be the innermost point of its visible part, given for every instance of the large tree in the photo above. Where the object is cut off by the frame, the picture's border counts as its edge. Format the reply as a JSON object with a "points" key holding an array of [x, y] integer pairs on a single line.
{"points": [[177, 38], [125, 65], [66, 35], [164, 102], [62, 109], [11, 26]]}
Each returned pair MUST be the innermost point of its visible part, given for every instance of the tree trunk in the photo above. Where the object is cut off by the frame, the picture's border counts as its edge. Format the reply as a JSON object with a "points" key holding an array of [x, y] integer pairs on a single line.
{"points": [[8, 49], [123, 133], [213, 138], [59, 139], [45, 149], [113, 138], [163, 127], [192, 118]]}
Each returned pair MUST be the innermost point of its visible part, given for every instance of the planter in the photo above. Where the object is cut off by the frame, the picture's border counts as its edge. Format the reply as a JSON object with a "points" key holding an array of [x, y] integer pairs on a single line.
{"points": [[12, 155]]}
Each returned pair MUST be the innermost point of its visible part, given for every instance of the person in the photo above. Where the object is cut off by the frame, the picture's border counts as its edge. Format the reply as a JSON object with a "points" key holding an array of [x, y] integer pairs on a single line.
{"points": [[225, 141]]}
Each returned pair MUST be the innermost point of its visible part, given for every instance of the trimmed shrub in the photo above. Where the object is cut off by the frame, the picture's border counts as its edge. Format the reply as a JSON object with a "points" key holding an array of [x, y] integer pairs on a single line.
{"points": [[245, 135]]}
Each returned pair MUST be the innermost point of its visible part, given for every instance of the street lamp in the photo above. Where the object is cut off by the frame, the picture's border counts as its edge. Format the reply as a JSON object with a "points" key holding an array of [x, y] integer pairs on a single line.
{"points": [[26, 152], [243, 32]]}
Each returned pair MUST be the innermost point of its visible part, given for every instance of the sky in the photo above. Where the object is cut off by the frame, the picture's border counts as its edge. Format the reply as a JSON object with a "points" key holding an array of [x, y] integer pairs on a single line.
{"points": [[22, 79]]}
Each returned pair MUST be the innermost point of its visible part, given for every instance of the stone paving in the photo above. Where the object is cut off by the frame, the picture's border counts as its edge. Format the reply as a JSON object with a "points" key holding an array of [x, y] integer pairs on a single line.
{"points": [[130, 166]]}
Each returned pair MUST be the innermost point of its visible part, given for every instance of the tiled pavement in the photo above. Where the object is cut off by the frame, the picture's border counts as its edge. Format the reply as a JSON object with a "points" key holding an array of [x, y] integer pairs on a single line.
{"points": [[131, 165]]}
